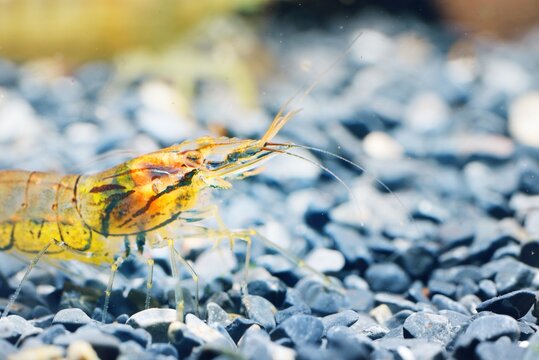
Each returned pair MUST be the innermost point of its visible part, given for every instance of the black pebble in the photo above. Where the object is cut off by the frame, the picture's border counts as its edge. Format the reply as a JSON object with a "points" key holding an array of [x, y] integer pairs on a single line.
{"points": [[515, 304]]}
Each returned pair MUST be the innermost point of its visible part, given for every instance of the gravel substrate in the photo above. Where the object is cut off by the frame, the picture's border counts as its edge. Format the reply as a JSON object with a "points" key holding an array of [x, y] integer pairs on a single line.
{"points": [[444, 267]]}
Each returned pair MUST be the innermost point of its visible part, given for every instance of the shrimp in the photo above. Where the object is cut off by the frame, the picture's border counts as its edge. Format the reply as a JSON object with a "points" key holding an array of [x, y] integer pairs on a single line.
{"points": [[90, 218]]}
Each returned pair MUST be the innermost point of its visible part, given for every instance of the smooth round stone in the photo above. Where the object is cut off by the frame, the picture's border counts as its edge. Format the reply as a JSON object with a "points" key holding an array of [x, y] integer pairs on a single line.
{"points": [[418, 261], [394, 302], [387, 277], [284, 314], [487, 289], [515, 304], [492, 327], [14, 327], [427, 112], [441, 287], [398, 319], [444, 303], [105, 345], [273, 290], [260, 310], [126, 333], [523, 115], [529, 252], [154, 321], [348, 241], [499, 350], [381, 146], [72, 318], [513, 275], [211, 336], [163, 350], [325, 260], [301, 329], [343, 318], [428, 326], [213, 263], [6, 348], [349, 344], [49, 334]]}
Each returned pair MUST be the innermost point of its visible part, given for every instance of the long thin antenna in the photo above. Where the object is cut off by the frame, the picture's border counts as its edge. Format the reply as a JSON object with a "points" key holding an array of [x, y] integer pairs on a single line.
{"points": [[352, 195], [363, 169]]}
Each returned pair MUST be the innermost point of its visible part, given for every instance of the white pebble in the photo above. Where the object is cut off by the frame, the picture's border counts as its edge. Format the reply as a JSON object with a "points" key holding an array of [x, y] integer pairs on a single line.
{"points": [[213, 263], [380, 145], [325, 260], [524, 119]]}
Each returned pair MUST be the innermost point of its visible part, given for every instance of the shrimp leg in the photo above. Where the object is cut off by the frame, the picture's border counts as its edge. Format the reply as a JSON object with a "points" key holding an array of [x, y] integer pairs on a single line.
{"points": [[178, 293], [211, 211], [25, 276], [193, 273], [149, 283], [113, 269]]}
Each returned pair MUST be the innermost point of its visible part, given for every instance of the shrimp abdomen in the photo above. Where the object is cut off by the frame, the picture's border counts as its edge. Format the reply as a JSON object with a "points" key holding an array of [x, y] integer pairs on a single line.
{"points": [[40, 208]]}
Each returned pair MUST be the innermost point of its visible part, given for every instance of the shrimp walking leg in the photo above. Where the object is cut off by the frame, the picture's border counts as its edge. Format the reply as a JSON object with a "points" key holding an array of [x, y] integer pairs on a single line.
{"points": [[193, 273], [178, 293], [25, 276], [212, 211], [113, 269], [149, 283]]}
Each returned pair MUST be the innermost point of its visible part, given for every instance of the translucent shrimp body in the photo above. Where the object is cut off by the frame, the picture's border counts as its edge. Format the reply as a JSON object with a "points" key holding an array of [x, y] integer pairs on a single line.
{"points": [[87, 217]]}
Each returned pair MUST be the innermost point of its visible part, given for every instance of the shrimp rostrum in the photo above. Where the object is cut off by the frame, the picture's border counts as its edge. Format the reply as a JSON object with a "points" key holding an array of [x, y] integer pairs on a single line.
{"points": [[92, 218]]}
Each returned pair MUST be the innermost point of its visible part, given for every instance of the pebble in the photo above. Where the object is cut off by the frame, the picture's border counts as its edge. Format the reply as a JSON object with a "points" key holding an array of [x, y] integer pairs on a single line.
{"points": [[515, 304], [523, 114], [321, 300], [301, 329], [260, 310], [387, 277], [348, 344], [216, 315], [213, 263], [343, 318], [428, 326], [487, 289], [444, 303], [325, 260], [441, 287], [126, 333], [382, 146], [238, 326], [154, 321], [217, 337], [486, 328], [349, 243], [163, 350], [394, 302], [501, 349], [513, 275], [398, 319], [71, 319], [529, 253], [418, 261], [106, 346], [367, 326], [14, 327], [273, 290]]}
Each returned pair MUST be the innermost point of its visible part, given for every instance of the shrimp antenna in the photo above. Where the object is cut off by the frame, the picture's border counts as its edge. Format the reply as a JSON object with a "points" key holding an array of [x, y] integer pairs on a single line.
{"points": [[359, 167], [335, 176], [281, 119]]}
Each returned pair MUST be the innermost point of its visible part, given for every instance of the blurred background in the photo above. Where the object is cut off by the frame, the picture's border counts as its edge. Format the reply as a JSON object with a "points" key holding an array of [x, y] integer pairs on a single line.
{"points": [[84, 72]]}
